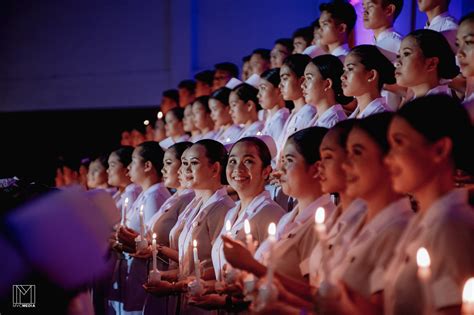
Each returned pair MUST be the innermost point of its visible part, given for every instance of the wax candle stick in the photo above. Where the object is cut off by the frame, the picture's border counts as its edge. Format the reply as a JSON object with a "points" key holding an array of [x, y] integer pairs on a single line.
{"points": [[468, 297], [248, 237], [196, 261], [154, 251], [271, 240], [155, 275], [124, 212], [424, 273], [228, 227], [319, 218], [142, 223]]}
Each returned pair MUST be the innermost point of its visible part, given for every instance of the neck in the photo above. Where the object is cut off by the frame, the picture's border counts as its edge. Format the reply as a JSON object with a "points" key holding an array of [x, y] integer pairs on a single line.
{"points": [[205, 194], [364, 100], [334, 46], [103, 186], [276, 108], [253, 118], [150, 181], [378, 31], [469, 86], [345, 201], [441, 183], [206, 130], [227, 125], [298, 103], [379, 200], [431, 14], [195, 132], [323, 105], [423, 88], [245, 200], [311, 195]]}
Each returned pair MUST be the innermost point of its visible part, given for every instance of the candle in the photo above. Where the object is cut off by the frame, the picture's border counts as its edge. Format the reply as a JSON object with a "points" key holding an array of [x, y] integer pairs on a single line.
{"points": [[248, 237], [196, 261], [319, 218], [272, 240], [424, 273], [142, 223], [259, 133], [159, 115], [228, 227], [154, 251], [146, 122], [468, 297], [124, 212]]}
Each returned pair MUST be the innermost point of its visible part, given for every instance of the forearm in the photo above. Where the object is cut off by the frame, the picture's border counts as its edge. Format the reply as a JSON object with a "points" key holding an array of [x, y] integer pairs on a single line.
{"points": [[296, 287], [170, 253]]}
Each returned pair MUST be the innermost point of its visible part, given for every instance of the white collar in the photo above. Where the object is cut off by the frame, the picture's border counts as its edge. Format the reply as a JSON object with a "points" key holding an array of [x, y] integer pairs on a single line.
{"points": [[341, 50], [384, 34], [438, 18]]}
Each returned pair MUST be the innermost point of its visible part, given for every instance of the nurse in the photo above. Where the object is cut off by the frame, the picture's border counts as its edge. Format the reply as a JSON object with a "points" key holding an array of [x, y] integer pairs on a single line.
{"points": [[425, 59], [423, 158], [295, 233], [202, 118], [203, 168], [465, 54], [322, 88], [271, 100], [174, 128], [366, 70], [227, 131], [188, 123], [244, 109]]}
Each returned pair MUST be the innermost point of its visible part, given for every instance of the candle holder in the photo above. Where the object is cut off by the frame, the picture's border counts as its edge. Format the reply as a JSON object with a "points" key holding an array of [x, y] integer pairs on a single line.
{"points": [[140, 243], [154, 276]]}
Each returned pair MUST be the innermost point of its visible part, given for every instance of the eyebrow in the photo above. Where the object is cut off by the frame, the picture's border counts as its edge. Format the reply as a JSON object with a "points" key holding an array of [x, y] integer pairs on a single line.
{"points": [[326, 148], [350, 64], [358, 146], [289, 155], [246, 155]]}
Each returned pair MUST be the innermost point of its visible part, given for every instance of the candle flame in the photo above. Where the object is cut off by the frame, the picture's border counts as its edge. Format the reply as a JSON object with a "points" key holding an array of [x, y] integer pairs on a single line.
{"points": [[146, 122], [154, 236], [159, 115], [227, 140], [126, 200], [247, 226], [272, 229], [141, 208], [228, 226], [259, 133], [423, 258], [195, 243], [468, 291], [320, 215]]}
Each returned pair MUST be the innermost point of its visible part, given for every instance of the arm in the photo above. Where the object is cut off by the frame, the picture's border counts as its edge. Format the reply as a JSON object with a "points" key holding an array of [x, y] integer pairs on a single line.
{"points": [[169, 252]]}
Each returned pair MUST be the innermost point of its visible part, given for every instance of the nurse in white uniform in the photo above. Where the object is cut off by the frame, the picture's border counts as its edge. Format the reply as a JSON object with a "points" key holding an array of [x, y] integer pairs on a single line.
{"points": [[295, 234], [203, 169], [424, 156], [271, 100], [174, 128], [244, 108], [227, 131], [465, 56], [414, 68], [202, 119], [188, 124], [366, 70], [144, 170], [322, 88]]}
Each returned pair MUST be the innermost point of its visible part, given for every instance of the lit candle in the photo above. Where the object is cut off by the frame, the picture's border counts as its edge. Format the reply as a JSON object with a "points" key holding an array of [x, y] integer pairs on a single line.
{"points": [[146, 122], [124, 212], [227, 140], [196, 261], [271, 240], [154, 251], [468, 297], [424, 273], [228, 227], [259, 133], [248, 237], [159, 115], [142, 223], [319, 218]]}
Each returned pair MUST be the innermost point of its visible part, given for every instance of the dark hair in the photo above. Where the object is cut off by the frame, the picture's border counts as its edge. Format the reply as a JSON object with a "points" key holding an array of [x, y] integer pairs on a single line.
{"points": [[204, 101], [398, 6], [297, 63], [468, 17], [287, 43], [331, 67], [272, 76], [178, 112], [189, 85], [372, 59], [341, 11], [206, 76], [124, 154], [179, 147], [152, 151], [376, 126], [447, 118], [306, 33], [246, 58], [247, 92], [262, 52], [315, 24], [103, 159], [434, 44], [262, 148], [222, 95], [229, 67], [173, 94], [216, 152], [343, 128], [307, 142]]}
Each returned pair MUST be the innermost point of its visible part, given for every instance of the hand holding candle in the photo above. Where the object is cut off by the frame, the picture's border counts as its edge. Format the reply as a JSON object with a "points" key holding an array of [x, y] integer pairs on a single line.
{"points": [[468, 297], [141, 242], [154, 275]]}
